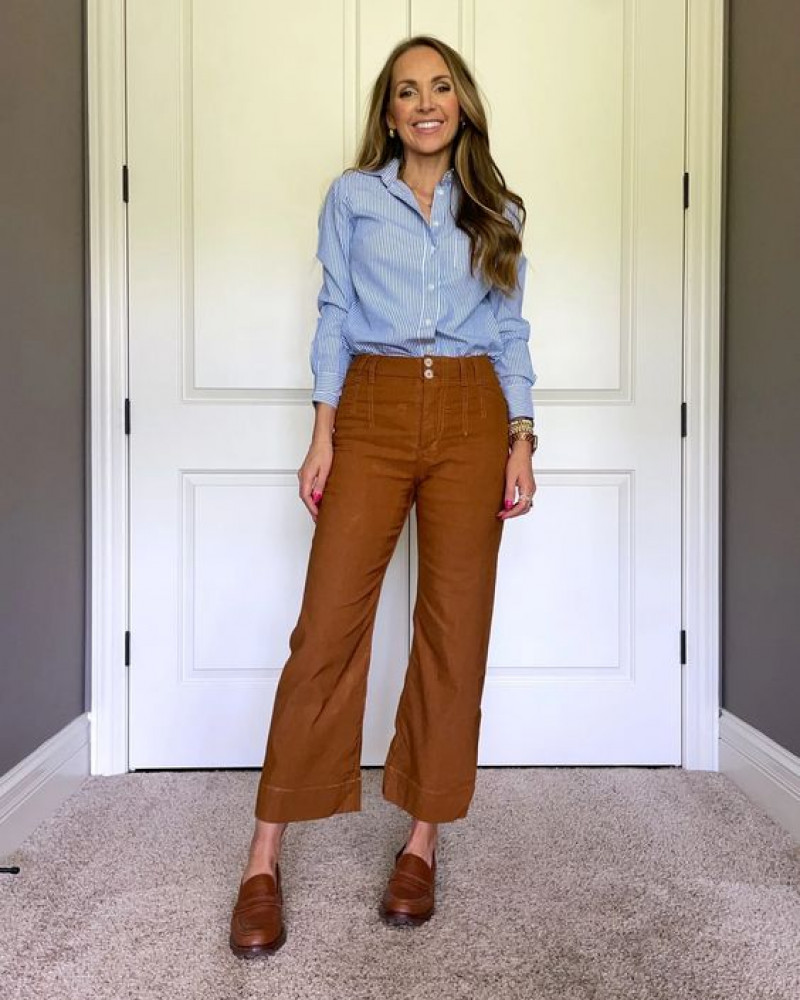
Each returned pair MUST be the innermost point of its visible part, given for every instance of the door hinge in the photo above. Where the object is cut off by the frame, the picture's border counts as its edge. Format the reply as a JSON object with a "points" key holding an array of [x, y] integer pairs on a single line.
{"points": [[684, 419], [127, 416], [127, 649], [125, 182], [686, 189], [683, 645]]}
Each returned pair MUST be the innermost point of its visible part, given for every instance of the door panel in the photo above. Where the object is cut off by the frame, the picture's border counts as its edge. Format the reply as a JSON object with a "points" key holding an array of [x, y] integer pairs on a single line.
{"points": [[239, 116]]}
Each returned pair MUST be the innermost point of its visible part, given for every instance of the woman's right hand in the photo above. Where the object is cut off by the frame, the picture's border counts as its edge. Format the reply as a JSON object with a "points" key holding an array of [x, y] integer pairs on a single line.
{"points": [[313, 473]]}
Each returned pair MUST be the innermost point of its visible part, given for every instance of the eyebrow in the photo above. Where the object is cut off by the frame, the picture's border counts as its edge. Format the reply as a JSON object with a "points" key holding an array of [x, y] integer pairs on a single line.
{"points": [[441, 76]]}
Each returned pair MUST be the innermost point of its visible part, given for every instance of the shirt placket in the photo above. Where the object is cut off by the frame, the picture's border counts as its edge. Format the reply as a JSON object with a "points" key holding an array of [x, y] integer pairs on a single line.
{"points": [[431, 278]]}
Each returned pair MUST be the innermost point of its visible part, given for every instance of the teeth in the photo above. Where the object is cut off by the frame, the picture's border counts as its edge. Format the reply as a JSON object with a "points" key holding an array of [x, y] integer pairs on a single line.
{"points": [[427, 125]]}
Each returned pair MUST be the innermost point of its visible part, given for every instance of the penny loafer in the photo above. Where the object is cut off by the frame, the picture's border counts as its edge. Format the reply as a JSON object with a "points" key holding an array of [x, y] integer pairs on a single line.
{"points": [[257, 920], [409, 895]]}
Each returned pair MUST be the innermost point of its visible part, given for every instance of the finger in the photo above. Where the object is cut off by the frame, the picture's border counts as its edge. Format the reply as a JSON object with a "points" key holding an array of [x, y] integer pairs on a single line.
{"points": [[311, 493], [520, 507], [508, 496], [313, 509], [318, 490]]}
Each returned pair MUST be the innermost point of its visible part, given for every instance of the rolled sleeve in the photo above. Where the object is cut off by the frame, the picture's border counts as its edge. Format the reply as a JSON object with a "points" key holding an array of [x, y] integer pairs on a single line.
{"points": [[513, 363], [329, 355]]}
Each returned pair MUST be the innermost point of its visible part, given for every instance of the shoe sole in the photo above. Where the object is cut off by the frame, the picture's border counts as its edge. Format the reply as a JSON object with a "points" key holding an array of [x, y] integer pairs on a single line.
{"points": [[258, 950], [395, 918]]}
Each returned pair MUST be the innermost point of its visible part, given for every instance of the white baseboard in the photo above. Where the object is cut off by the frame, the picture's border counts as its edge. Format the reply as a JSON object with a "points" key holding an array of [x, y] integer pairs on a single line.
{"points": [[33, 790], [766, 772], [36, 787]]}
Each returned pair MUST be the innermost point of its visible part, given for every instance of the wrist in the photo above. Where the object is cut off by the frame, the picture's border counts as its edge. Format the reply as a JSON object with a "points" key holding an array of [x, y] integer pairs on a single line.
{"points": [[523, 447], [521, 429], [324, 418]]}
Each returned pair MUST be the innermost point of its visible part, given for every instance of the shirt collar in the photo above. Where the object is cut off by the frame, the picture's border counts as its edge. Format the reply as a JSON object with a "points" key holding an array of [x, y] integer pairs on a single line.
{"points": [[388, 172]]}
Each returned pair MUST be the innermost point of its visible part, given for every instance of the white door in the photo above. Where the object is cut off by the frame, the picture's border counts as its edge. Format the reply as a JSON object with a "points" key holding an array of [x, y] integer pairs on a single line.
{"points": [[239, 116]]}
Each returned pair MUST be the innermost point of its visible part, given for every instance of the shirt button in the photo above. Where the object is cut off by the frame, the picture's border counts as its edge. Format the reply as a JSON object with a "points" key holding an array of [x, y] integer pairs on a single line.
{"points": [[427, 362], [436, 222], [431, 287], [433, 249], [428, 373], [427, 322]]}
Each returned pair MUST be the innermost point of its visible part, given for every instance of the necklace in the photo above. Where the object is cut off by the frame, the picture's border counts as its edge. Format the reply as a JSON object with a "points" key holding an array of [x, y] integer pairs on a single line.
{"points": [[428, 201], [427, 198]]}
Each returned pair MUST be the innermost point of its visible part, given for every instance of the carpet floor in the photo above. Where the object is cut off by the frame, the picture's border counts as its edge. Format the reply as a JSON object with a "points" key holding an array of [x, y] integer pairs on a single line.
{"points": [[560, 884]]}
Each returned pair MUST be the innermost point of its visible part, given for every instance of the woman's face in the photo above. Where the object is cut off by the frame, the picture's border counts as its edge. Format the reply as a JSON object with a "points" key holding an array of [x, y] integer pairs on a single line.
{"points": [[422, 91]]}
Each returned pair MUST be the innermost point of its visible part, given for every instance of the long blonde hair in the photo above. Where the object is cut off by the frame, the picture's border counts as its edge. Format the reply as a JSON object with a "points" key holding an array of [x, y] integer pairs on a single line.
{"points": [[495, 242]]}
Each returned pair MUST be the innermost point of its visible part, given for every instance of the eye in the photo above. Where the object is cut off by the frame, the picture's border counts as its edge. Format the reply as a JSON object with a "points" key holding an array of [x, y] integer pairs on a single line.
{"points": [[445, 87]]}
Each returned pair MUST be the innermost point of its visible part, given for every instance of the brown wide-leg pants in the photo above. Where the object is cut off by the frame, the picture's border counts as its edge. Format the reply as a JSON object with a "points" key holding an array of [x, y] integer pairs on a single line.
{"points": [[431, 431]]}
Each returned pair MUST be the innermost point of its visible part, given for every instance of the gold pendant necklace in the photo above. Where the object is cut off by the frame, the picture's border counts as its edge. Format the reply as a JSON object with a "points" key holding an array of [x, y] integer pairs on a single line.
{"points": [[417, 192]]}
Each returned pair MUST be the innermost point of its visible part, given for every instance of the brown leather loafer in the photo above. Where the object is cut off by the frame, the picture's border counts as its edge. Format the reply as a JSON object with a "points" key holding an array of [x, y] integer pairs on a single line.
{"points": [[409, 895], [257, 919]]}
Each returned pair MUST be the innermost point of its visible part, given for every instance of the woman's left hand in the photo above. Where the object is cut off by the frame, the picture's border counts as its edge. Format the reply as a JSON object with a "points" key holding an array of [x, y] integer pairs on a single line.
{"points": [[519, 476]]}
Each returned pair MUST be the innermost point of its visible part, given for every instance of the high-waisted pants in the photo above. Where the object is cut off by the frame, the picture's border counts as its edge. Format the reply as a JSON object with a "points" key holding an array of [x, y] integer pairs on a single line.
{"points": [[427, 430]]}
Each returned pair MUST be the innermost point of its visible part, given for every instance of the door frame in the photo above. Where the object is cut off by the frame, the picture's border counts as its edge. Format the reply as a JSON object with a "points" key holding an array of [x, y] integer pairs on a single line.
{"points": [[108, 509]]}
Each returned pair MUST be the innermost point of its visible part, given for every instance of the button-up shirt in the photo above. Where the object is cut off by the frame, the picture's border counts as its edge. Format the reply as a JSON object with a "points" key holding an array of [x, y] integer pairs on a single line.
{"points": [[396, 283]]}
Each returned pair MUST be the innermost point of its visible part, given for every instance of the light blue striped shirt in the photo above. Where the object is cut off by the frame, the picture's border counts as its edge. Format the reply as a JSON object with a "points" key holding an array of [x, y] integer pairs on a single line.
{"points": [[393, 283]]}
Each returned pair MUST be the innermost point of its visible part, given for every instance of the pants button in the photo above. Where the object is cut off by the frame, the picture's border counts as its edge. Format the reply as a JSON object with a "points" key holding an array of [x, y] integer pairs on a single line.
{"points": [[427, 361], [428, 373]]}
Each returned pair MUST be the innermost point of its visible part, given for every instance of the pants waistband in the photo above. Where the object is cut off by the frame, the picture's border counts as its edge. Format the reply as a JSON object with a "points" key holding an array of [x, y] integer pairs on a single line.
{"points": [[472, 368]]}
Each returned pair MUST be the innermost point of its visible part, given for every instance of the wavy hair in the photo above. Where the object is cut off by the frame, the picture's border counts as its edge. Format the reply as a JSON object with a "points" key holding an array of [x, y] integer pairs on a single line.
{"points": [[495, 242]]}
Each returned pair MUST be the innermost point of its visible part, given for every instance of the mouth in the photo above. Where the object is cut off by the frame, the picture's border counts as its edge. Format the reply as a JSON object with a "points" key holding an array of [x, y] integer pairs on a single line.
{"points": [[428, 125]]}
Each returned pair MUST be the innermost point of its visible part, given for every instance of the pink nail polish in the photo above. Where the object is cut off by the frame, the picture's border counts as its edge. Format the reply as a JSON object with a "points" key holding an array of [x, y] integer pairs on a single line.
{"points": [[509, 504], [316, 497]]}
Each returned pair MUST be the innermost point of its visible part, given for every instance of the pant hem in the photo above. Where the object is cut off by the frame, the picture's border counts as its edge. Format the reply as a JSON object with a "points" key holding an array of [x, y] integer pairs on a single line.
{"points": [[428, 806], [285, 805]]}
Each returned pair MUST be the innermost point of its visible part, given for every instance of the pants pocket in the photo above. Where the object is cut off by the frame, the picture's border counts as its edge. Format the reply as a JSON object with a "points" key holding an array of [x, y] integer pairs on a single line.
{"points": [[349, 397]]}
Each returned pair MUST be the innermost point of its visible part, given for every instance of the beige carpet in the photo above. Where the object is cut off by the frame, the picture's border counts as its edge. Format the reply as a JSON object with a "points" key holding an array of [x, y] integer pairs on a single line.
{"points": [[562, 883]]}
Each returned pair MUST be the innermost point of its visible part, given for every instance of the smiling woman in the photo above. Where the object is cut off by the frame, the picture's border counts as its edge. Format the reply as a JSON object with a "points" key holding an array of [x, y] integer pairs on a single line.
{"points": [[420, 360], [424, 112], [427, 100]]}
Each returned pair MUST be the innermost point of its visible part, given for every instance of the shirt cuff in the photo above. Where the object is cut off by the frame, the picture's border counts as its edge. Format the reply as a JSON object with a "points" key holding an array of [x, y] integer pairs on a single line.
{"points": [[518, 397], [327, 388]]}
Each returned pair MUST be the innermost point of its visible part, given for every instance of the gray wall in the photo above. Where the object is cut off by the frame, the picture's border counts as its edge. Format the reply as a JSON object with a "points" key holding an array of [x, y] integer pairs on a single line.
{"points": [[42, 372], [42, 381], [761, 451]]}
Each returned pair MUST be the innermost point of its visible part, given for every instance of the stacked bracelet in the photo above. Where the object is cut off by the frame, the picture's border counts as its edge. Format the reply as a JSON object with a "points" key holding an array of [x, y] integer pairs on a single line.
{"points": [[521, 429]]}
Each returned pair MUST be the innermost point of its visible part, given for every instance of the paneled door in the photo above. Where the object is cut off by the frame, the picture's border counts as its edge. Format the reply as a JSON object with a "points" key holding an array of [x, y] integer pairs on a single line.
{"points": [[239, 116]]}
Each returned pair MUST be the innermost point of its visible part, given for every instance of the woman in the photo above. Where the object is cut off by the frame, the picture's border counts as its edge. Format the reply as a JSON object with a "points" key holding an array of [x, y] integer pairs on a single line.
{"points": [[421, 359]]}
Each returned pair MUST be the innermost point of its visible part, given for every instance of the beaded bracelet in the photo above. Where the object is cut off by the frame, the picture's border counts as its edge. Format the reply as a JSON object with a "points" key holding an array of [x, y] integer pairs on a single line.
{"points": [[521, 429]]}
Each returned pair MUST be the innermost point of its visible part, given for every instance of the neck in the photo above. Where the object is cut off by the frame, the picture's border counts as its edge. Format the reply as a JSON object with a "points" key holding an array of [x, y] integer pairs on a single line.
{"points": [[423, 173]]}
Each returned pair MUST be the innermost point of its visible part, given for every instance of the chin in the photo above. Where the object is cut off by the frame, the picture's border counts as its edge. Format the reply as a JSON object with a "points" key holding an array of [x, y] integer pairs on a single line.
{"points": [[429, 147]]}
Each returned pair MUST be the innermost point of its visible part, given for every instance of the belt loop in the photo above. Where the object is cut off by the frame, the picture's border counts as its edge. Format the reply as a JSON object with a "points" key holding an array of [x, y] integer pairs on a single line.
{"points": [[371, 363], [462, 365], [479, 383]]}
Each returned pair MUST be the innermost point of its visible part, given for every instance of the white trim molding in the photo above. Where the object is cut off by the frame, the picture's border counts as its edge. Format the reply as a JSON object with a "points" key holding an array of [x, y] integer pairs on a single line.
{"points": [[702, 376], [767, 773], [105, 25], [33, 790], [705, 129]]}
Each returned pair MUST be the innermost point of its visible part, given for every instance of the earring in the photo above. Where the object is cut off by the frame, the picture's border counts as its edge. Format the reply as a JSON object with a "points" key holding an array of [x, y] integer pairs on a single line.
{"points": [[391, 133]]}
